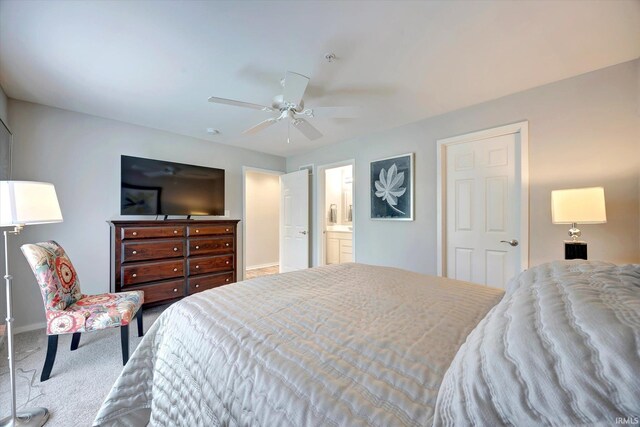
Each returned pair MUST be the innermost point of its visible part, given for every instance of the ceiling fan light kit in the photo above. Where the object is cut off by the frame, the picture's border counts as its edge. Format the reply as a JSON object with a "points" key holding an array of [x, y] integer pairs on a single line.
{"points": [[290, 106]]}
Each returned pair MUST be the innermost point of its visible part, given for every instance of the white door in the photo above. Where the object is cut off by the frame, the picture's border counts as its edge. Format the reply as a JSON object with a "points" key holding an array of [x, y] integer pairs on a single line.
{"points": [[294, 221], [483, 203]]}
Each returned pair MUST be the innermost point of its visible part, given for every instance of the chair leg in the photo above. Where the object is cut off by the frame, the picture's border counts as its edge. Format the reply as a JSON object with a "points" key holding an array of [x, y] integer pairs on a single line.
{"points": [[75, 341], [52, 347], [124, 339], [140, 328]]}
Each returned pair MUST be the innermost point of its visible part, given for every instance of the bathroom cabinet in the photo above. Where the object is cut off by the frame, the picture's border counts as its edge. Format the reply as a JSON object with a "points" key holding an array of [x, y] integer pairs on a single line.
{"points": [[339, 247]]}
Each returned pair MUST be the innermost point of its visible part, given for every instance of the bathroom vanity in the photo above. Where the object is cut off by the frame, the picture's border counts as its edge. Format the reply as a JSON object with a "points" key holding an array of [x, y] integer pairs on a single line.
{"points": [[339, 244]]}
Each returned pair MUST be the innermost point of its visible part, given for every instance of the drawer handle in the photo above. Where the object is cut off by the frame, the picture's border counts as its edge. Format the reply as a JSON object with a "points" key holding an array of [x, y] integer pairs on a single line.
{"points": [[197, 247], [135, 233], [227, 229], [227, 244], [135, 252], [197, 286], [197, 231], [227, 262], [197, 267], [175, 289], [175, 249], [227, 280], [175, 269], [134, 275], [175, 231]]}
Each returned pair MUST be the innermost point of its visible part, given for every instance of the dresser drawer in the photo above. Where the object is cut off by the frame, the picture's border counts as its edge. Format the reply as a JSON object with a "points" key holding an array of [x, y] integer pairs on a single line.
{"points": [[202, 283], [151, 232], [162, 291], [151, 271], [154, 249], [209, 230], [211, 264], [210, 246]]}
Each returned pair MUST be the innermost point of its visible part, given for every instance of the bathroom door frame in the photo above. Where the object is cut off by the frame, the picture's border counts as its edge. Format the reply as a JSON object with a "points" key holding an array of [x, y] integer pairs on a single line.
{"points": [[245, 170], [321, 217]]}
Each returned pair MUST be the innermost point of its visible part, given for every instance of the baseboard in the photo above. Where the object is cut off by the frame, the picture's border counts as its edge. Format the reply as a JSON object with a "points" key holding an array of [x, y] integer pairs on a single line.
{"points": [[269, 264], [27, 328]]}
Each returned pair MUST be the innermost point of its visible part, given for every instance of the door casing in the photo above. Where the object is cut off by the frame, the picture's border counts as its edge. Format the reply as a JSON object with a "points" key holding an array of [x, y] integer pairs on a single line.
{"points": [[523, 129], [246, 169]]}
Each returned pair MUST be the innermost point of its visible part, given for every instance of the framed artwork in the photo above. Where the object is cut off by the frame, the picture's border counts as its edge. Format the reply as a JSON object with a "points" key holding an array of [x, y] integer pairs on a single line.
{"points": [[140, 200], [391, 188]]}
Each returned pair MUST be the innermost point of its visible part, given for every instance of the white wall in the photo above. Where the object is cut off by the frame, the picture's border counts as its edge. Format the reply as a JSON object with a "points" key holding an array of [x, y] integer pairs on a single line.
{"points": [[262, 219], [80, 154], [583, 131]]}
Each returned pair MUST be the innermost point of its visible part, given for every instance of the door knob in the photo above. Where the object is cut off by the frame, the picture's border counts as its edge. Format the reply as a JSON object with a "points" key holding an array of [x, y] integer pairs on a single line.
{"points": [[302, 232], [513, 242]]}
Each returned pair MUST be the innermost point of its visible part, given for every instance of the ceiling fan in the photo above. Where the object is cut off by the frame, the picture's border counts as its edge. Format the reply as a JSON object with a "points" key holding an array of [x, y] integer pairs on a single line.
{"points": [[290, 107]]}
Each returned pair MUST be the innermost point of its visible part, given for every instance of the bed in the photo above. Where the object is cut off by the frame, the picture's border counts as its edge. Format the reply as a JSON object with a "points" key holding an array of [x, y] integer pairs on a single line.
{"points": [[360, 345]]}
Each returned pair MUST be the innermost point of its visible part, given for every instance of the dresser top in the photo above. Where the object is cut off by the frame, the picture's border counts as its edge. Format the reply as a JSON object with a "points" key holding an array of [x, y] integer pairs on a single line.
{"points": [[155, 223]]}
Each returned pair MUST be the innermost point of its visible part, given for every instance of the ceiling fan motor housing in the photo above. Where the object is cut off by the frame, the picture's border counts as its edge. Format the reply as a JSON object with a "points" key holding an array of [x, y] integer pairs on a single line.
{"points": [[279, 104]]}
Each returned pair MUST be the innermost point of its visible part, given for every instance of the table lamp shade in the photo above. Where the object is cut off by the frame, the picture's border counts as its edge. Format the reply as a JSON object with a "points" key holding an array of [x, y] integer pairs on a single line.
{"points": [[28, 202], [578, 206]]}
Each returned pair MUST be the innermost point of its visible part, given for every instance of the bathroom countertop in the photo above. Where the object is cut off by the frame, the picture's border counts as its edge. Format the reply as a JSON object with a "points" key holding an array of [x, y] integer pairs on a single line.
{"points": [[342, 228]]}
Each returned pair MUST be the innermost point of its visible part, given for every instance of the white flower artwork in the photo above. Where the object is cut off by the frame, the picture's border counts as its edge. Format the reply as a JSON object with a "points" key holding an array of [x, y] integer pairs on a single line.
{"points": [[392, 188]]}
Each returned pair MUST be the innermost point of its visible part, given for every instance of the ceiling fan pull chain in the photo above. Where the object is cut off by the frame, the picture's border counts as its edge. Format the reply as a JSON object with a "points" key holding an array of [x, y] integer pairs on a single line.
{"points": [[288, 131]]}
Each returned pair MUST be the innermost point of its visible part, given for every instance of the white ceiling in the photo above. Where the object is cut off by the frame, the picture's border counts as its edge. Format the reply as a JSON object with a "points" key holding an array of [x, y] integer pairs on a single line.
{"points": [[156, 63]]}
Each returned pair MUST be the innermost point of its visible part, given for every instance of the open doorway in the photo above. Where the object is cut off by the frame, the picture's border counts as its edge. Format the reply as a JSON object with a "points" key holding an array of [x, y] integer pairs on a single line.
{"points": [[261, 222], [336, 213]]}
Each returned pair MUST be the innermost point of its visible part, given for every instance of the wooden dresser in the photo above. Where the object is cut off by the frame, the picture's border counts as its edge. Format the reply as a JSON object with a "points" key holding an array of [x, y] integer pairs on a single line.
{"points": [[171, 259]]}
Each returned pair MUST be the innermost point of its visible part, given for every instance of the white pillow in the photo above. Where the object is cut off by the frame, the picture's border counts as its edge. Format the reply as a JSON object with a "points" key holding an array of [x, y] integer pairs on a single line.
{"points": [[561, 348]]}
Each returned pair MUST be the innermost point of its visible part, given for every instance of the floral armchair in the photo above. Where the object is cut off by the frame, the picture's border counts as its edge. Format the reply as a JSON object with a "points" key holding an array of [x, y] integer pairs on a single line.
{"points": [[68, 310]]}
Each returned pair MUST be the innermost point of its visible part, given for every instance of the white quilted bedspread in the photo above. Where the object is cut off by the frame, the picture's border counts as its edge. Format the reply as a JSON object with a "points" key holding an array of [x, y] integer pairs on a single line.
{"points": [[562, 349], [347, 345]]}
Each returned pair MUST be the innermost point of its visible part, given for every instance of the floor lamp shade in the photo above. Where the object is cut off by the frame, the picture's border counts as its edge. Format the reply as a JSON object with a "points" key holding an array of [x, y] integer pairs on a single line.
{"points": [[28, 202]]}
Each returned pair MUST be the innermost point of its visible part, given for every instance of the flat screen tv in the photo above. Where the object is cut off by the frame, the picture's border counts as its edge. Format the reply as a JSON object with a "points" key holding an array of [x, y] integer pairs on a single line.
{"points": [[156, 187]]}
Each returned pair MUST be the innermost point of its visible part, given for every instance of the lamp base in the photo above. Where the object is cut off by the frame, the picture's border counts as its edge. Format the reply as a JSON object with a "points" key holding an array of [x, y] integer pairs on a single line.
{"points": [[30, 417], [575, 249]]}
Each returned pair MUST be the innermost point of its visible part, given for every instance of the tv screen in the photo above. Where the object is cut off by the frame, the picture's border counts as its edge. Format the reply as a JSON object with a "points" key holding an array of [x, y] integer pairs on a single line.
{"points": [[156, 187]]}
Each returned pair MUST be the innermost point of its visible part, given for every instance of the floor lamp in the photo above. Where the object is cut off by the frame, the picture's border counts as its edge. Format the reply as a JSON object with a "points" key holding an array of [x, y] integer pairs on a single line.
{"points": [[23, 203]]}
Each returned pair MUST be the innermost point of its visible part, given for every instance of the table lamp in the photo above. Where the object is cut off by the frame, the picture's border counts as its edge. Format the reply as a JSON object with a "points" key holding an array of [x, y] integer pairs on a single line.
{"points": [[577, 206], [23, 203]]}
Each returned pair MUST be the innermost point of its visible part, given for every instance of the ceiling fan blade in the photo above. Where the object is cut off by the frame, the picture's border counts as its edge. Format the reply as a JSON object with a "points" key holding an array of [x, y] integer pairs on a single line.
{"points": [[306, 128], [336, 112], [262, 125], [294, 86], [239, 103]]}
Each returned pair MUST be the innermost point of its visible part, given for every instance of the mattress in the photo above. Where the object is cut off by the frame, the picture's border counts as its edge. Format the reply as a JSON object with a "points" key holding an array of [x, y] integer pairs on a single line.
{"points": [[345, 344]]}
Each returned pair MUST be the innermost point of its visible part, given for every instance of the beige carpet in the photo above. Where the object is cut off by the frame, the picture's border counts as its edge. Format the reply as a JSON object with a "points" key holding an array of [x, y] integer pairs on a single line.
{"points": [[258, 272], [80, 380]]}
